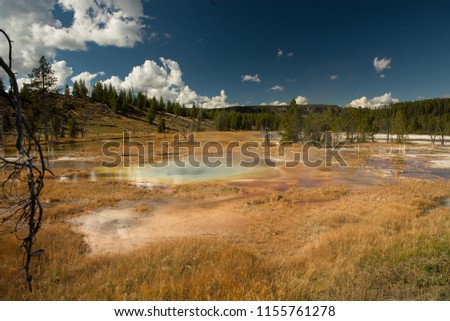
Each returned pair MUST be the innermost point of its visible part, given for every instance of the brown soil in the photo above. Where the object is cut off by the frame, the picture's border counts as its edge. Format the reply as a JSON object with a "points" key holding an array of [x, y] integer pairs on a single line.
{"points": [[124, 229]]}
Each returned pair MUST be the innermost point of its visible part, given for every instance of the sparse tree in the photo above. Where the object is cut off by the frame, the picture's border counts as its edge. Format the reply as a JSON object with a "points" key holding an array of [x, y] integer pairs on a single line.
{"points": [[76, 89], [84, 90], [170, 107], [43, 81], [292, 123], [161, 106], [56, 126], [141, 101], [121, 102], [151, 112], [66, 100], [98, 93], [66, 91], [161, 125], [22, 195], [221, 120], [43, 77], [441, 125], [72, 127], [387, 121], [80, 89], [399, 125], [112, 99]]}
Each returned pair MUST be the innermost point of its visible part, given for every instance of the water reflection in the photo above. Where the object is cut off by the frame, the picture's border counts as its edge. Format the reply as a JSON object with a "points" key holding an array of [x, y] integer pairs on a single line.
{"points": [[379, 166], [172, 174]]}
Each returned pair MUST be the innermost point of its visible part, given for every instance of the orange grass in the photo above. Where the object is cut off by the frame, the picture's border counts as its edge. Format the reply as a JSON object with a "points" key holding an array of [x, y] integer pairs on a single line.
{"points": [[388, 242]]}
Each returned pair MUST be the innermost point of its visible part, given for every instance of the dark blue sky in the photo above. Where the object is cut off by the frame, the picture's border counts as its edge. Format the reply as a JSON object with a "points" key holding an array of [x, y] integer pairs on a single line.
{"points": [[326, 37], [216, 45]]}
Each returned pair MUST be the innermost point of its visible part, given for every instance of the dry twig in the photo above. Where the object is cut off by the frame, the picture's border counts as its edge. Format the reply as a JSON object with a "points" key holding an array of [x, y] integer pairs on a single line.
{"points": [[24, 175]]}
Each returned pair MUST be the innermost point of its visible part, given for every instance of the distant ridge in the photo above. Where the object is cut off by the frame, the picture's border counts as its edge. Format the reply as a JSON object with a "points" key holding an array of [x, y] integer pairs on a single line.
{"points": [[276, 109]]}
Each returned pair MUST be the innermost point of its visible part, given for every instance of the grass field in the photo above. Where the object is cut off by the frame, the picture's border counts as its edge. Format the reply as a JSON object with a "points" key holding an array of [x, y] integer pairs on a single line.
{"points": [[387, 242], [232, 240]]}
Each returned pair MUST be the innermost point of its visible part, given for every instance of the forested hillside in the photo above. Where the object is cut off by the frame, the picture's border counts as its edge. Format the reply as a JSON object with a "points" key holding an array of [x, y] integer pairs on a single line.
{"points": [[73, 113]]}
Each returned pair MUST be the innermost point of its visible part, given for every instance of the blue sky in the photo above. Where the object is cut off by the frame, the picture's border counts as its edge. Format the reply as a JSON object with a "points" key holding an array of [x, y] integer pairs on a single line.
{"points": [[243, 52]]}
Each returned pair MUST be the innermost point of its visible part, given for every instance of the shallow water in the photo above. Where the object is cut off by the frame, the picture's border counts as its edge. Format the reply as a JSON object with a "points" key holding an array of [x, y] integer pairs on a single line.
{"points": [[412, 163], [381, 165], [447, 202], [173, 174]]}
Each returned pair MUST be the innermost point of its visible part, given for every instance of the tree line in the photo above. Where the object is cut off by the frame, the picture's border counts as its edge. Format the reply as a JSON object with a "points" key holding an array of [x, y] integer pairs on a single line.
{"points": [[296, 122], [121, 102], [430, 117]]}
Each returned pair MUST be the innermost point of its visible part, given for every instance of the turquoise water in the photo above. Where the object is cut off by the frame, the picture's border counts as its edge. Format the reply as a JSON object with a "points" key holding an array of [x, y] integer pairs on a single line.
{"points": [[173, 174]]}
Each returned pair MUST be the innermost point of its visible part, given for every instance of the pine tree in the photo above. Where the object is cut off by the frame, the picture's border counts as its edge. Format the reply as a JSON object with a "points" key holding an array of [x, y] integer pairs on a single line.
{"points": [[43, 77], [161, 125], [84, 90], [161, 106], [194, 110], [399, 125], [80, 89], [98, 92], [292, 122], [112, 99], [176, 109], [183, 111], [141, 101], [122, 102], [129, 98], [151, 112], [72, 127], [221, 120], [76, 89], [66, 101], [170, 107], [43, 81], [56, 126], [105, 93]]}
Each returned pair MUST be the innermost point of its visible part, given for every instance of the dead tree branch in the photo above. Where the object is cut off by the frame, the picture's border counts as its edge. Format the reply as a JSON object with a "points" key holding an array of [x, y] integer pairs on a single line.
{"points": [[23, 176]]}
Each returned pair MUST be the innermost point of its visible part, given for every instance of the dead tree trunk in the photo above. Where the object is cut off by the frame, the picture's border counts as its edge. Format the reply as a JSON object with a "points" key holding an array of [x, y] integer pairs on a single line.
{"points": [[26, 211]]}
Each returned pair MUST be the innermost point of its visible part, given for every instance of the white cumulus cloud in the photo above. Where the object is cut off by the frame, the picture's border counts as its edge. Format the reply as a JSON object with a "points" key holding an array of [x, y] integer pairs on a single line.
{"points": [[382, 64], [277, 88], [281, 53], [87, 77], [254, 78], [375, 102], [300, 100], [22, 81], [62, 72], [278, 103], [165, 80], [36, 31], [217, 101]]}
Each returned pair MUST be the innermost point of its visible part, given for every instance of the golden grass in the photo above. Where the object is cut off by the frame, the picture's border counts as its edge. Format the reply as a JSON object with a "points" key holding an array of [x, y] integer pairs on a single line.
{"points": [[203, 190], [388, 242], [69, 199]]}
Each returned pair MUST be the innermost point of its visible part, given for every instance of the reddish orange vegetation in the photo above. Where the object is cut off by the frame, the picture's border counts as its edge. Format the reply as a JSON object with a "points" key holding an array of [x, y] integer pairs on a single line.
{"points": [[271, 239]]}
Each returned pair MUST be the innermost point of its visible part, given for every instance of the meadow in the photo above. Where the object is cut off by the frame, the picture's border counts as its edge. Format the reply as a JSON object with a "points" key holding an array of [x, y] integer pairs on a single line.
{"points": [[259, 239]]}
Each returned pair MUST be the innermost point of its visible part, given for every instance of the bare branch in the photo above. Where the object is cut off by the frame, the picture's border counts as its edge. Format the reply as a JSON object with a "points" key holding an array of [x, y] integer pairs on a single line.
{"points": [[27, 212]]}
